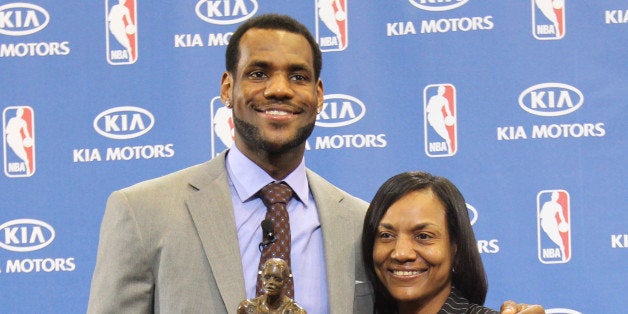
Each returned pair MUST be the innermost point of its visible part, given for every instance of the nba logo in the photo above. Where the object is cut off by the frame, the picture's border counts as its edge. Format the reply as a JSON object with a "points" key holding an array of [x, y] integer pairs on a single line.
{"points": [[222, 127], [19, 141], [554, 226], [440, 126], [548, 19], [121, 26], [331, 25]]}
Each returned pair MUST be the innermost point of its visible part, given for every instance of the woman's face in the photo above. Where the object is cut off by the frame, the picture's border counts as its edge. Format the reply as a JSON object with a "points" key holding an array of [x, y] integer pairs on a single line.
{"points": [[413, 253]]}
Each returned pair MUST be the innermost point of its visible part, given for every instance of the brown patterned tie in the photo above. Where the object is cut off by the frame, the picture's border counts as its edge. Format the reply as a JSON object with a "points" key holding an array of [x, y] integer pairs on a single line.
{"points": [[275, 196]]}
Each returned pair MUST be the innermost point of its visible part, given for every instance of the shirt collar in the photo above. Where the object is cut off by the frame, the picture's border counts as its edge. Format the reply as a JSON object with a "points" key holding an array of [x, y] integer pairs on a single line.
{"points": [[248, 178]]}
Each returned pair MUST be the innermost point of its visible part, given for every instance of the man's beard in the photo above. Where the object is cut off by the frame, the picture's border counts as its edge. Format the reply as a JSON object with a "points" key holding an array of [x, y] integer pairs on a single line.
{"points": [[252, 136]]}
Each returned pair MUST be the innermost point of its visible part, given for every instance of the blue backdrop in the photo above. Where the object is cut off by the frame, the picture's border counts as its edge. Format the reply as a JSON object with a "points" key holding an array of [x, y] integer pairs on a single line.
{"points": [[520, 103]]}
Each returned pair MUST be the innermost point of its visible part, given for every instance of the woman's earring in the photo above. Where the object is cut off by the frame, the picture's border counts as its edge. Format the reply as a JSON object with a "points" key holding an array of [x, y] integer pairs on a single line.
{"points": [[228, 104]]}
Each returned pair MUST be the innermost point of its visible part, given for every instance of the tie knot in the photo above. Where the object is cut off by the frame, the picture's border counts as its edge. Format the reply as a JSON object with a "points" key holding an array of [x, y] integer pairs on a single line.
{"points": [[275, 192]]}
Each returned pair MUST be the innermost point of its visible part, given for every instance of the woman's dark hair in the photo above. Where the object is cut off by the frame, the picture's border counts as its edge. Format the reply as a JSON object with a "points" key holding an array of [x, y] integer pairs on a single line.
{"points": [[276, 22], [468, 276]]}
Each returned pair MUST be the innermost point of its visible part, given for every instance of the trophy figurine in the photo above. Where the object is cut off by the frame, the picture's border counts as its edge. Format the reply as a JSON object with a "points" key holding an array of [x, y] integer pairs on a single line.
{"points": [[274, 274]]}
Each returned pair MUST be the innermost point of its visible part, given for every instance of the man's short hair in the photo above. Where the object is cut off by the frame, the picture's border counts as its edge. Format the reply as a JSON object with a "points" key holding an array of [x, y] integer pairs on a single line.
{"points": [[273, 22]]}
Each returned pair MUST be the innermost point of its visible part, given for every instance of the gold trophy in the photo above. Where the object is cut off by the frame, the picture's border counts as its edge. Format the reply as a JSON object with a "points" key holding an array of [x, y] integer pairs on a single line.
{"points": [[274, 274]]}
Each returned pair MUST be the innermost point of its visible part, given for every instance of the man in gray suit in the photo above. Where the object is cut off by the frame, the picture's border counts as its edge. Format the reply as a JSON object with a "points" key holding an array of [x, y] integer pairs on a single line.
{"points": [[187, 242]]}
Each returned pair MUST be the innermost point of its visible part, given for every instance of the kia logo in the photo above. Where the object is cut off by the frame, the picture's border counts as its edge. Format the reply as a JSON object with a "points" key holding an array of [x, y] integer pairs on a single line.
{"points": [[551, 99], [18, 19], [225, 12], [124, 122], [441, 5], [25, 235], [340, 110]]}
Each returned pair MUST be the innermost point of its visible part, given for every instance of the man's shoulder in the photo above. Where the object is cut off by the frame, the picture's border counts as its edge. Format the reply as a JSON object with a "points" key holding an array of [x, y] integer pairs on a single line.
{"points": [[194, 176], [166, 194], [320, 185]]}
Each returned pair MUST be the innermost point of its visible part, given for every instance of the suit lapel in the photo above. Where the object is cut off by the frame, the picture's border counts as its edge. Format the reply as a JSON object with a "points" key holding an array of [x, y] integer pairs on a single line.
{"points": [[339, 241], [211, 210], [212, 213]]}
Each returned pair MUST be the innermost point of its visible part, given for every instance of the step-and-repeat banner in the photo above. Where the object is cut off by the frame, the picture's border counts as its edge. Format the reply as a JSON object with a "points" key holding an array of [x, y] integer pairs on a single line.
{"points": [[522, 104]]}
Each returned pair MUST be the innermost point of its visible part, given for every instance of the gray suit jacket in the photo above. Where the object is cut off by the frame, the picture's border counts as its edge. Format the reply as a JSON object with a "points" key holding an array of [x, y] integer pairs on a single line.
{"points": [[170, 245]]}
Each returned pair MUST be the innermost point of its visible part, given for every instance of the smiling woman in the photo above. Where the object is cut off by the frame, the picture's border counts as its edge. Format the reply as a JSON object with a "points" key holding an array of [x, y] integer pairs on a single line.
{"points": [[419, 249]]}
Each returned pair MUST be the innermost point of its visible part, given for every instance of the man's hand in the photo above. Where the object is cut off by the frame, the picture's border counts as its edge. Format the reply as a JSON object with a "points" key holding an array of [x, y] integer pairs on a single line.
{"points": [[510, 307]]}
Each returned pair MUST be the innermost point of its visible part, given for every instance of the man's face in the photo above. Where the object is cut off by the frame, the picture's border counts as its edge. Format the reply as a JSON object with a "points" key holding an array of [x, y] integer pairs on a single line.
{"points": [[274, 93]]}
